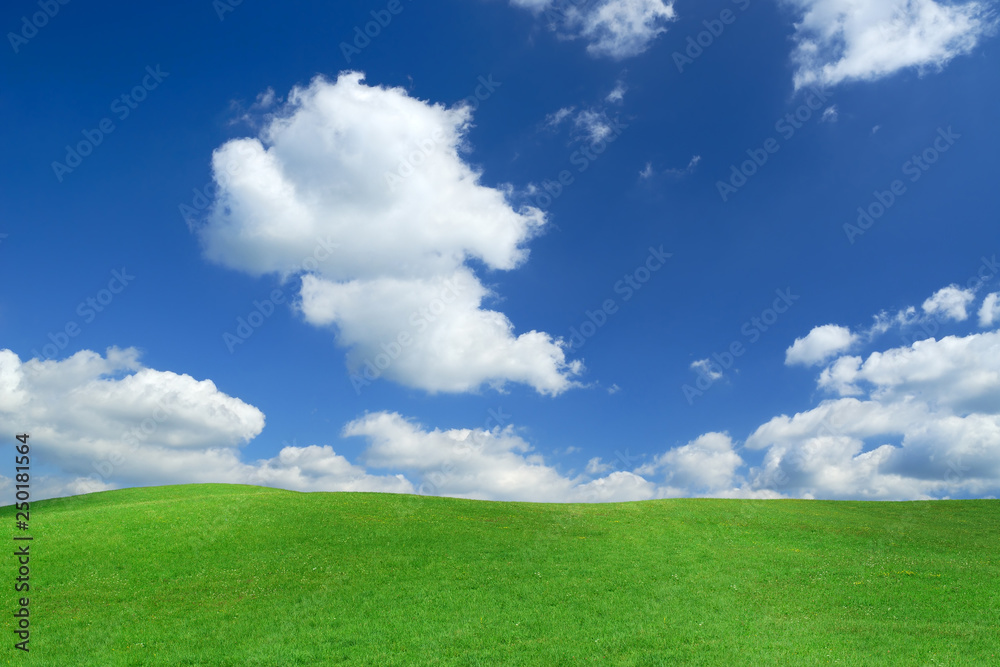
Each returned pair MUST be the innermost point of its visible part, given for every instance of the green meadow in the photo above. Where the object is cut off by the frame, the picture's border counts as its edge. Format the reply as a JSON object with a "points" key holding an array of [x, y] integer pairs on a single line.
{"points": [[240, 575]]}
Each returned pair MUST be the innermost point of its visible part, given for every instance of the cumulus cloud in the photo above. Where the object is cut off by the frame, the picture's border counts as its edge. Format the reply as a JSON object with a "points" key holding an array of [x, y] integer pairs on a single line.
{"points": [[917, 421], [989, 312], [880, 450], [705, 466], [958, 371], [949, 303], [911, 422], [492, 464], [108, 422], [845, 40], [612, 28], [320, 468], [819, 345], [366, 190]]}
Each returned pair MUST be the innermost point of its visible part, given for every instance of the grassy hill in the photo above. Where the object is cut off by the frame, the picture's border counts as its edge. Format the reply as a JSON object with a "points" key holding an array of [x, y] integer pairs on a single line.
{"points": [[241, 575]]}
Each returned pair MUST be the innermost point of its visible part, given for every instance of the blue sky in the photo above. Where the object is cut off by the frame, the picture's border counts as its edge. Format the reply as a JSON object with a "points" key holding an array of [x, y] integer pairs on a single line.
{"points": [[253, 244]]}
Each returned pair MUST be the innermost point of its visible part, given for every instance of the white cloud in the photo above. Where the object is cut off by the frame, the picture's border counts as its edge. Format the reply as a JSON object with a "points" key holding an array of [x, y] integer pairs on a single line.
{"points": [[707, 368], [827, 341], [596, 467], [950, 303], [647, 171], [841, 375], [448, 344], [847, 448], [320, 468], [107, 421], [617, 94], [488, 465], [989, 312], [960, 372], [556, 118], [912, 422], [371, 182], [593, 124], [845, 40], [612, 28], [919, 420], [819, 345], [706, 465], [884, 321], [923, 421], [830, 114], [691, 165]]}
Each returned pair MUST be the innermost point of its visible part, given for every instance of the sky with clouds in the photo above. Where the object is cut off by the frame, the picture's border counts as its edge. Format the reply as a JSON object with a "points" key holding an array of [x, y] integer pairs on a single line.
{"points": [[534, 250]]}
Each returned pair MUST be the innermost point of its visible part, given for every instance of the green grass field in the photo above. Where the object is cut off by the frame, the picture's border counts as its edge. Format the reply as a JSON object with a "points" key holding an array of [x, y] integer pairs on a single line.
{"points": [[241, 575]]}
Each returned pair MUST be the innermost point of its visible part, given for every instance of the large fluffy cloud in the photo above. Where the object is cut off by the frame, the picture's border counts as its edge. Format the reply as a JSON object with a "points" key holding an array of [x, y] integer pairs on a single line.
{"points": [[613, 28], [365, 189], [845, 40], [108, 422], [919, 420], [888, 448], [915, 421], [958, 371]]}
